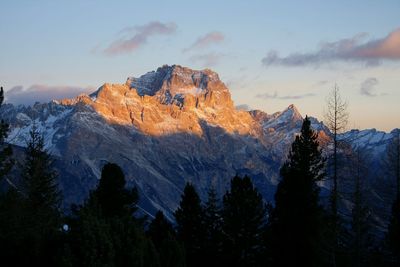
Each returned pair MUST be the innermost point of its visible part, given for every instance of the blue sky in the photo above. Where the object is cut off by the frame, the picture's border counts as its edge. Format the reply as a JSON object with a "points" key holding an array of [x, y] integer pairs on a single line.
{"points": [[270, 53]]}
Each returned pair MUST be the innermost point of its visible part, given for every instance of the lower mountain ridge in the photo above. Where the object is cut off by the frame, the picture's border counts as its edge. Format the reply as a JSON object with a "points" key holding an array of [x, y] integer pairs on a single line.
{"points": [[168, 127]]}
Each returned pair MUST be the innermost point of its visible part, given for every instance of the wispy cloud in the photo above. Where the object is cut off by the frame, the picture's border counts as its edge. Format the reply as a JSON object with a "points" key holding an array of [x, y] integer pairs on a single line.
{"points": [[244, 107], [355, 49], [207, 60], [135, 37], [276, 96], [367, 87], [321, 83], [206, 40], [238, 81], [43, 93]]}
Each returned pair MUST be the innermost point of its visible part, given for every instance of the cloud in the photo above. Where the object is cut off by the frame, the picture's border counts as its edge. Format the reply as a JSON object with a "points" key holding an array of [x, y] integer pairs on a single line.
{"points": [[207, 60], [321, 83], [354, 49], [239, 81], [43, 93], [244, 107], [135, 37], [206, 40], [276, 96], [367, 87]]}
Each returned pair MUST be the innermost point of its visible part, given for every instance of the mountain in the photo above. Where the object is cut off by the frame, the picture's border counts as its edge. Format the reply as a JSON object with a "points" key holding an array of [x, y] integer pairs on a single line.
{"points": [[165, 128]]}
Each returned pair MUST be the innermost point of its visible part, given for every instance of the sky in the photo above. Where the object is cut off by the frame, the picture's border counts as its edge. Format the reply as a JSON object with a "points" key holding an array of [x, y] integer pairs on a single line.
{"points": [[269, 53]]}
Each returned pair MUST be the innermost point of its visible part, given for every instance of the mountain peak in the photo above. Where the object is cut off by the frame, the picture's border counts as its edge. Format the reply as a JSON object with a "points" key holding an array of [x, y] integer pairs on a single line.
{"points": [[291, 112], [172, 84], [172, 78], [170, 99], [292, 107]]}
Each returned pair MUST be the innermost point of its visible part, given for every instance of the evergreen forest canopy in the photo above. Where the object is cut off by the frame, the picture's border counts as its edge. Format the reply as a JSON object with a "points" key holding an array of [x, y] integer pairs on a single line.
{"points": [[239, 229]]}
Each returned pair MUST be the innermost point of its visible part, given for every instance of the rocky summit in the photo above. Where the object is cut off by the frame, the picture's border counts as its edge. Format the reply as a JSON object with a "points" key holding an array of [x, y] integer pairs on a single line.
{"points": [[165, 128], [171, 100]]}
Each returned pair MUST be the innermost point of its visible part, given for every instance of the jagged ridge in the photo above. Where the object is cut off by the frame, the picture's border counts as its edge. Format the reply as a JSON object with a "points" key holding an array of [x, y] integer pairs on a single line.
{"points": [[165, 128]]}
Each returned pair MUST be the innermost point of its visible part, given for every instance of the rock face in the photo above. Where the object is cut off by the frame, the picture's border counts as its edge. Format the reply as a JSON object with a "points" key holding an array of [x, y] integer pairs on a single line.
{"points": [[171, 100], [165, 128]]}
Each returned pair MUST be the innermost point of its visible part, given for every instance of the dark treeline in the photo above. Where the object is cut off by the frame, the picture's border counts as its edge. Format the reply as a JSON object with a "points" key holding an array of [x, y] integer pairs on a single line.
{"points": [[239, 229]]}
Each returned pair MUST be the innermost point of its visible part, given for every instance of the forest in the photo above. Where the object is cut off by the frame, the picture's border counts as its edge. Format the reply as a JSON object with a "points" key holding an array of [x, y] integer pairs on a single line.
{"points": [[237, 229]]}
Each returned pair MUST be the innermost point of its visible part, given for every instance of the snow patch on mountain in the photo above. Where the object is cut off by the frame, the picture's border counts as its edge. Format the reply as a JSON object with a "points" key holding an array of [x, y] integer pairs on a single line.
{"points": [[48, 127], [165, 128]]}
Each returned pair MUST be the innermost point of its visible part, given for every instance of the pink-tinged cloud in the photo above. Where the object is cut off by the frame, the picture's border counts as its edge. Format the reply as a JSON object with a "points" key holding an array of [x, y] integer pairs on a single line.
{"points": [[43, 93], [355, 49], [385, 48], [206, 40], [137, 36]]}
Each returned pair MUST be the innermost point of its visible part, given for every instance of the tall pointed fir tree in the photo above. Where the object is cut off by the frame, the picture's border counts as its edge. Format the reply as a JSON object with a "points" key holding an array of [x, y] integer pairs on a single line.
{"points": [[14, 229], [5, 149], [14, 225], [104, 231], [112, 196], [360, 242], [295, 222], [393, 166], [189, 225], [244, 221], [38, 176], [212, 220], [40, 189], [163, 236], [393, 235]]}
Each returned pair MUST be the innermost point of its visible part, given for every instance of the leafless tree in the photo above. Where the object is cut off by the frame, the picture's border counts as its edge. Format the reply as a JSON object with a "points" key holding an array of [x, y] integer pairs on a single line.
{"points": [[336, 119]]}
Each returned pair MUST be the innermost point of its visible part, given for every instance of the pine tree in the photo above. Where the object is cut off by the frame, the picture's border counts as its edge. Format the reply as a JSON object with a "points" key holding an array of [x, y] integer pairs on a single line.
{"points": [[14, 230], [360, 225], [393, 166], [42, 198], [11, 204], [244, 220], [6, 161], [213, 230], [104, 231], [295, 222], [130, 243], [112, 196], [393, 234], [190, 230], [38, 176], [163, 236], [392, 163], [160, 229], [90, 237]]}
